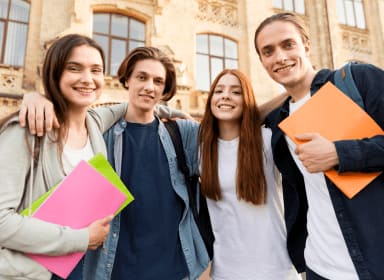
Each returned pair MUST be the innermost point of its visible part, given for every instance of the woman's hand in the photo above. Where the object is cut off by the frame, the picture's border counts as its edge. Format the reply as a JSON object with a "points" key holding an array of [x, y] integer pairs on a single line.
{"points": [[98, 232]]}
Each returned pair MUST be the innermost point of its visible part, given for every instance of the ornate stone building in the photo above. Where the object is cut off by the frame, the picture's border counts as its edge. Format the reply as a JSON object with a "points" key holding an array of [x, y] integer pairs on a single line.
{"points": [[202, 37]]}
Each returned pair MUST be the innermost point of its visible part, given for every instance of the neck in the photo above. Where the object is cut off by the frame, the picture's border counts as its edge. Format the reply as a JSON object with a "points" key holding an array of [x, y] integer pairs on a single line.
{"points": [[229, 130], [77, 134], [139, 116], [298, 90]]}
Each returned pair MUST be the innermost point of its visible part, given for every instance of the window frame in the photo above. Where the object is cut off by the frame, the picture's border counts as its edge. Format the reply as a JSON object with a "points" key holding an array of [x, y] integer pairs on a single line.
{"points": [[117, 38], [344, 17], [227, 61], [4, 40], [282, 5]]}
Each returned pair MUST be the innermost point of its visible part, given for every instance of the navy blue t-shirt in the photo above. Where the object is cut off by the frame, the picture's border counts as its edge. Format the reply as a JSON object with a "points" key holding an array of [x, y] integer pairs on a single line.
{"points": [[149, 245]]}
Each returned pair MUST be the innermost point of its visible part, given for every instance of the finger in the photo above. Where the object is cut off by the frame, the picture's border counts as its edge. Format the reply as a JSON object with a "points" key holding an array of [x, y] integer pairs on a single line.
{"points": [[31, 120], [55, 122], [23, 115], [48, 119], [305, 136], [40, 120], [108, 219]]}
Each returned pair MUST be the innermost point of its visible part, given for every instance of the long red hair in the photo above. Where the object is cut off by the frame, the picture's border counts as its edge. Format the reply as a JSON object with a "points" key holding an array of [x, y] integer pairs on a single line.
{"points": [[250, 182]]}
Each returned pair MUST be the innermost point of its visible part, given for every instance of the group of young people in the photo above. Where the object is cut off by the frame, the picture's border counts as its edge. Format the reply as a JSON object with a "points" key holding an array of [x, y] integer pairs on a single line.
{"points": [[268, 222]]}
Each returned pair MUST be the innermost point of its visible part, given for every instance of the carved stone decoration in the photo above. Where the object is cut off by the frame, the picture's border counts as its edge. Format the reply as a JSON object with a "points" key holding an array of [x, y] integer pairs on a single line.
{"points": [[218, 11], [356, 41]]}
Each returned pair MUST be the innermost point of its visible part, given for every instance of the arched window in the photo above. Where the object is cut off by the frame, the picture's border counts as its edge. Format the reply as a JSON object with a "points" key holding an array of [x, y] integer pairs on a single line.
{"points": [[213, 54], [297, 6], [117, 34], [351, 13], [14, 19]]}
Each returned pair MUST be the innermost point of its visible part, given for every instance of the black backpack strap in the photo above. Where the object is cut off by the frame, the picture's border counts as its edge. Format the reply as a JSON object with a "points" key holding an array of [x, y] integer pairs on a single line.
{"points": [[201, 216], [174, 132]]}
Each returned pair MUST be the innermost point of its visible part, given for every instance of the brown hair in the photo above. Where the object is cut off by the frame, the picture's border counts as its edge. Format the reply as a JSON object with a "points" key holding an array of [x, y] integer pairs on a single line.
{"points": [[141, 53], [285, 17], [53, 67], [250, 182]]}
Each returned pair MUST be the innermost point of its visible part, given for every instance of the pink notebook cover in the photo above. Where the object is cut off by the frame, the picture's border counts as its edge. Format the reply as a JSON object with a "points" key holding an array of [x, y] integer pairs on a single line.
{"points": [[81, 198]]}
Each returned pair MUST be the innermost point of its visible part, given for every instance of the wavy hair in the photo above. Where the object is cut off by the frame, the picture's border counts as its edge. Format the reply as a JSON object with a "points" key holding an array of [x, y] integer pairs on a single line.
{"points": [[284, 17], [250, 182], [142, 53]]}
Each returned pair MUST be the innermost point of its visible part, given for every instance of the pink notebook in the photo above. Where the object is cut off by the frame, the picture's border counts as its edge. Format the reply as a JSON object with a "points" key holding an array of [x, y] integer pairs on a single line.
{"points": [[81, 198]]}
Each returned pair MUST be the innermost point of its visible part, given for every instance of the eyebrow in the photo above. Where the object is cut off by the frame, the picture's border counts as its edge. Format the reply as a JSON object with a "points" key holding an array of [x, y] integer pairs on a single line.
{"points": [[80, 64]]}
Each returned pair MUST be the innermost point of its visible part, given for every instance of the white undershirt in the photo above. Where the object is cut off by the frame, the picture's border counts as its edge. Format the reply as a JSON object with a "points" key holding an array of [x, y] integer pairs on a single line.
{"points": [[250, 240], [71, 157], [325, 252]]}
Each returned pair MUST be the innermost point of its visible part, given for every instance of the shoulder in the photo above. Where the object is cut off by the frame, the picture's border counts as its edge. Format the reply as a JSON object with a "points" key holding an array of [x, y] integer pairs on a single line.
{"points": [[187, 124]]}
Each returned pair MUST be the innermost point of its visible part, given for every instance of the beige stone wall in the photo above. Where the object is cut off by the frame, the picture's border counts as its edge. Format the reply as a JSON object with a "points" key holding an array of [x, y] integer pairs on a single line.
{"points": [[172, 26]]}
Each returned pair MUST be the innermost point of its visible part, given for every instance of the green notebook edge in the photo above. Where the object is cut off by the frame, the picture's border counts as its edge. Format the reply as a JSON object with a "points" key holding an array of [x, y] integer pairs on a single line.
{"points": [[101, 164]]}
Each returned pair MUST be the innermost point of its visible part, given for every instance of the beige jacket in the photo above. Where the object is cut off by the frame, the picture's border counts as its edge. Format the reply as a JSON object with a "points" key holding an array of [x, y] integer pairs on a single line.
{"points": [[20, 234]]}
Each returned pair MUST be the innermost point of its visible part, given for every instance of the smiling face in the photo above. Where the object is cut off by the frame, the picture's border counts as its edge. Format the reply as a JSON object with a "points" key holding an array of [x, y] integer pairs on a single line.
{"points": [[146, 85], [82, 79], [283, 53], [227, 99]]}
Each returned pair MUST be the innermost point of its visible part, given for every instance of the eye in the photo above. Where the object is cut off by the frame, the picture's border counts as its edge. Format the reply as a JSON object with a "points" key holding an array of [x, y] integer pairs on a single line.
{"points": [[217, 91], [266, 52], [141, 77], [73, 68], [237, 92], [159, 81], [97, 70], [289, 45]]}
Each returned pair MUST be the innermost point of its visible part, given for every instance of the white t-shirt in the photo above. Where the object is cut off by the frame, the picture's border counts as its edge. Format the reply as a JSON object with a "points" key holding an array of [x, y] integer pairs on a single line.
{"points": [[325, 252], [71, 157], [250, 240]]}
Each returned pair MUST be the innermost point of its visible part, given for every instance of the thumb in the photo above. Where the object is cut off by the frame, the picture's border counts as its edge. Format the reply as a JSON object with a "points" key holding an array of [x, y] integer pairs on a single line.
{"points": [[106, 220], [308, 136]]}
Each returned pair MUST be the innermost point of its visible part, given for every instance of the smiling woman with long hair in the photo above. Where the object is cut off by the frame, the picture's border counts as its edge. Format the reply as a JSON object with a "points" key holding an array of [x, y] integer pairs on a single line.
{"points": [[241, 184]]}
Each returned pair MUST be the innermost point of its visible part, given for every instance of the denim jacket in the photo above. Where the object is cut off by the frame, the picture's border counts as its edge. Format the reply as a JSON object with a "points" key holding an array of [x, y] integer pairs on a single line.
{"points": [[360, 218], [98, 264]]}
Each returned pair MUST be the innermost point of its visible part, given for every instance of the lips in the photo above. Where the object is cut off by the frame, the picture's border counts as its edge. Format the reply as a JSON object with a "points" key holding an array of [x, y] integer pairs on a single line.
{"points": [[147, 96], [283, 68]]}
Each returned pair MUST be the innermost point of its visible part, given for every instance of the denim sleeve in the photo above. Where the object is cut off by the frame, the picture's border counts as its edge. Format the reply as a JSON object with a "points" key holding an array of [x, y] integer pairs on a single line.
{"points": [[189, 131]]}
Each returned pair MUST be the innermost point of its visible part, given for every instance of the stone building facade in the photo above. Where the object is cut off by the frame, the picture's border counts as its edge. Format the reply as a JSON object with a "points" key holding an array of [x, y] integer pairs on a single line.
{"points": [[201, 36]]}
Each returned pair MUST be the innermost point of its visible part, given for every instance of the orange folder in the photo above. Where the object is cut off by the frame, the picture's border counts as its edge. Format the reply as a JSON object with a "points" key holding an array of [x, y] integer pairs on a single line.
{"points": [[335, 116]]}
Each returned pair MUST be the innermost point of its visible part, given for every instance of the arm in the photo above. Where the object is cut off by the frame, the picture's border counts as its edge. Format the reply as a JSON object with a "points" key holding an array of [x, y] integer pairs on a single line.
{"points": [[166, 112], [26, 234], [366, 155], [271, 105], [37, 111]]}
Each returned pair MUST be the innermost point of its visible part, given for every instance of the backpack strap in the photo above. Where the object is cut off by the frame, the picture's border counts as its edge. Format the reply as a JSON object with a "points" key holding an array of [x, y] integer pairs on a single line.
{"points": [[174, 132], [344, 81]]}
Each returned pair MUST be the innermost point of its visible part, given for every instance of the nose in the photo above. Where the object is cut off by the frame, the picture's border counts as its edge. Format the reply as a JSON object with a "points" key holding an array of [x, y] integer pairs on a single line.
{"points": [[149, 85], [280, 55], [86, 77], [225, 94]]}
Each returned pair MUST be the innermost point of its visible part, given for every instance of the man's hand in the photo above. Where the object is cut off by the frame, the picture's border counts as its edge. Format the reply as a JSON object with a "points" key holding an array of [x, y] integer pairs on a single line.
{"points": [[317, 153], [98, 232], [38, 112]]}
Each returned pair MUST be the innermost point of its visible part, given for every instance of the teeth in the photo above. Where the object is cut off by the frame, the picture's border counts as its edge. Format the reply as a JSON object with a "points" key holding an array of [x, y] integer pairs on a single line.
{"points": [[85, 90], [283, 68], [225, 106]]}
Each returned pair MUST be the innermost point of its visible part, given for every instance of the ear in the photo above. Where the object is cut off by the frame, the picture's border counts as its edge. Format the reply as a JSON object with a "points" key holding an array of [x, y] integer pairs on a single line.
{"points": [[307, 47]]}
